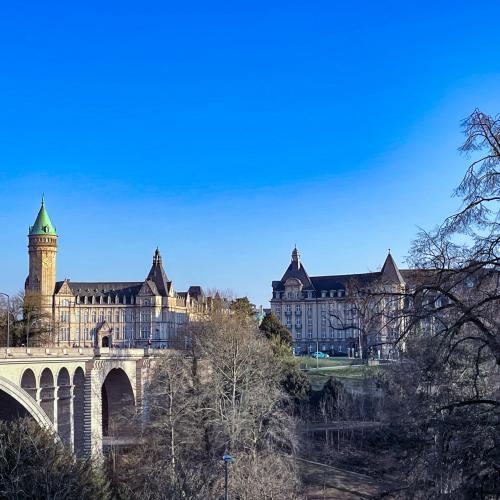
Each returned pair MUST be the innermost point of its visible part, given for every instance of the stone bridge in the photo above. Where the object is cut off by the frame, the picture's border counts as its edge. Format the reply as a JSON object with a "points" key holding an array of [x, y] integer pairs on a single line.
{"points": [[82, 393]]}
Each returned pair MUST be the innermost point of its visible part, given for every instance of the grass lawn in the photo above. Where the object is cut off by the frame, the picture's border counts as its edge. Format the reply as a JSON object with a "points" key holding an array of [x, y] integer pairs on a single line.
{"points": [[310, 362], [319, 377]]}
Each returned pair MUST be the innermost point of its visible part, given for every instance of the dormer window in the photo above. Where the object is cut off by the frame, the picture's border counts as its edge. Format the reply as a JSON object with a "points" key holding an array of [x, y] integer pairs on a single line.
{"points": [[323, 294]]}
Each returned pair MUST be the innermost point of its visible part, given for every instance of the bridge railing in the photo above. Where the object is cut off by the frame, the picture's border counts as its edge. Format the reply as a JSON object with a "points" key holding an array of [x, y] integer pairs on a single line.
{"points": [[36, 352], [55, 352]]}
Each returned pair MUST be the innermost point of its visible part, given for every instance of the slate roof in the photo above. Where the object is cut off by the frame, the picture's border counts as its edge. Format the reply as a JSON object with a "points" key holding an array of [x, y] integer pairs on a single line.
{"points": [[158, 276], [196, 291], [104, 289], [389, 274]]}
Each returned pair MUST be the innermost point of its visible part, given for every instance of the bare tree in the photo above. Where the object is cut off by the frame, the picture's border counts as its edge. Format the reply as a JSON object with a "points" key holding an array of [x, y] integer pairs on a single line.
{"points": [[447, 390], [225, 397]]}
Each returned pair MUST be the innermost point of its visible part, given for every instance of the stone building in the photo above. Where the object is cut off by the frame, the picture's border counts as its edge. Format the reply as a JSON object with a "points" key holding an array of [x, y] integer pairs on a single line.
{"points": [[107, 313], [328, 313]]}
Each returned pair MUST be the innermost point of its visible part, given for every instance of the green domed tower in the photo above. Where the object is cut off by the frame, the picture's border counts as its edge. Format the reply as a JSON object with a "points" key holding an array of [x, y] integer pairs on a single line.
{"points": [[42, 249]]}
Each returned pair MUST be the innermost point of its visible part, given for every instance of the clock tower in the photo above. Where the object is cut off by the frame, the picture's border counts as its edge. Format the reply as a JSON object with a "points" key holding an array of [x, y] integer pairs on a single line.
{"points": [[42, 250]]}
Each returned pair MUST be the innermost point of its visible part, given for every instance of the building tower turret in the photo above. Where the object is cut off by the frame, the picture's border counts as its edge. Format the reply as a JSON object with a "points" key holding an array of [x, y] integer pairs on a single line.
{"points": [[42, 250]]}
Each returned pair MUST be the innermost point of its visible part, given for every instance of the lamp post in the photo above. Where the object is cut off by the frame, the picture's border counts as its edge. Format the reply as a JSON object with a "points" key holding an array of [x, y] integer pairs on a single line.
{"points": [[227, 458], [8, 318]]}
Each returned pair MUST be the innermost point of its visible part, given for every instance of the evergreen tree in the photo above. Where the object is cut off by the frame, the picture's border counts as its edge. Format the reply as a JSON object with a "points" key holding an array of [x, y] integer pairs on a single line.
{"points": [[271, 326]]}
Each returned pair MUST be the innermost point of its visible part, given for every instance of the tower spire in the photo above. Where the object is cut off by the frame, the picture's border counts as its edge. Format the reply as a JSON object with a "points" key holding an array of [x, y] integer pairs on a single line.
{"points": [[158, 275], [43, 224]]}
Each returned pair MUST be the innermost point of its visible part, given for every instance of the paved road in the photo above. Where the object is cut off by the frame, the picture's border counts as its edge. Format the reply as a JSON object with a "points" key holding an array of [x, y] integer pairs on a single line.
{"points": [[327, 482]]}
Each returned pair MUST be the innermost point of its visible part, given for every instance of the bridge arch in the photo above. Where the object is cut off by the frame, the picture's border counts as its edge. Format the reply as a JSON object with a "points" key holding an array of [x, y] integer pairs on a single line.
{"points": [[64, 406], [28, 382], [118, 403], [79, 410], [47, 393], [16, 402]]}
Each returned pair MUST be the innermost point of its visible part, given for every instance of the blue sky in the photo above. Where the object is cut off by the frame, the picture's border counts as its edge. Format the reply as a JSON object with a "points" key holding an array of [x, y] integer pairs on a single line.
{"points": [[226, 132]]}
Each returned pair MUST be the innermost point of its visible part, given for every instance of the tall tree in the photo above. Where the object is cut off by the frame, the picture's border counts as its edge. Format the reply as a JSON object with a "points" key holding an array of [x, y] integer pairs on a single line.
{"points": [[447, 391]]}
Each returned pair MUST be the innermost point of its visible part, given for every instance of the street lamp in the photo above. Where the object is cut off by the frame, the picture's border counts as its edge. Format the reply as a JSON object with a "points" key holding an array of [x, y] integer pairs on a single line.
{"points": [[227, 458], [8, 318]]}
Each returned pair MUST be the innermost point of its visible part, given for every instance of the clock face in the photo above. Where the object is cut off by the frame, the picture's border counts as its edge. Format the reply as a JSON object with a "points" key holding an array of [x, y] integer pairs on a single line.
{"points": [[45, 263]]}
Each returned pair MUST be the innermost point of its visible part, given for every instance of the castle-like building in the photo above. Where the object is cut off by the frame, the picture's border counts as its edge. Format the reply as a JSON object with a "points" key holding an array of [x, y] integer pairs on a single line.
{"points": [[335, 314], [124, 314]]}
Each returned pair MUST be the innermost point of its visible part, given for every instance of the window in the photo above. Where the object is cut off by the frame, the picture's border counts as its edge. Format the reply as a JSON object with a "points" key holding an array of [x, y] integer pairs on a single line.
{"points": [[65, 302], [64, 316], [309, 321], [145, 316], [117, 316], [332, 334], [323, 294], [310, 334], [109, 317], [117, 332], [298, 335], [85, 316], [101, 316], [298, 309], [323, 334], [77, 316], [128, 331], [145, 331]]}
